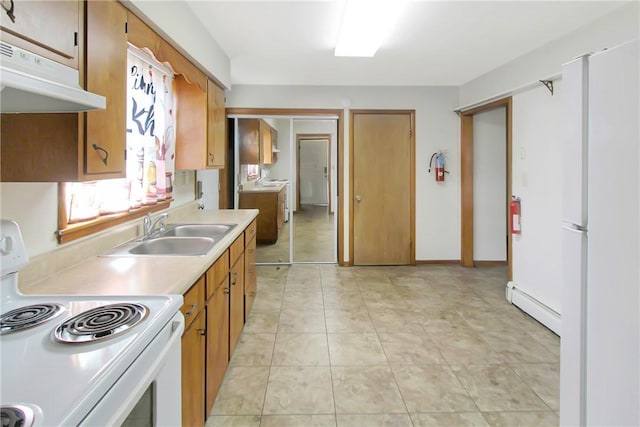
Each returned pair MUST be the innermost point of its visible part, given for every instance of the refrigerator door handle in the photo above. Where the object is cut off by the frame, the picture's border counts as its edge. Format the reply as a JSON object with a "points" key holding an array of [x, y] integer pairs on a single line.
{"points": [[574, 228]]}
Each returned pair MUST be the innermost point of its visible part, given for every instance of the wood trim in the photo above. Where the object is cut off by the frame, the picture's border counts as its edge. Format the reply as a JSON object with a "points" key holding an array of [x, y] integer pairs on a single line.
{"points": [[75, 231], [491, 264], [466, 190], [284, 112], [438, 262], [143, 36], [341, 166], [412, 118], [466, 174]]}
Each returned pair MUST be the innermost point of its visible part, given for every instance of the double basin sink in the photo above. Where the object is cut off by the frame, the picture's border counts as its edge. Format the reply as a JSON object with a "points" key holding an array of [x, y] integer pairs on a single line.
{"points": [[175, 240]]}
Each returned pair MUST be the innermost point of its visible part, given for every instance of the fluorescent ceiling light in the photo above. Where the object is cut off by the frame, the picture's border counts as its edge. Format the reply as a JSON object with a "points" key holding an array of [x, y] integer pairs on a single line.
{"points": [[365, 24]]}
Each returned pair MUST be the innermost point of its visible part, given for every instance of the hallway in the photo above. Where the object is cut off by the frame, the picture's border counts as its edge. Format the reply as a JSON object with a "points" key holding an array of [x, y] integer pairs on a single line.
{"points": [[398, 346]]}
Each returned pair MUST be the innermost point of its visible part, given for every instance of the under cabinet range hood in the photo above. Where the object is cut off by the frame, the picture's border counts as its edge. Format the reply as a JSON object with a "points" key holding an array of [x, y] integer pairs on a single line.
{"points": [[31, 83]]}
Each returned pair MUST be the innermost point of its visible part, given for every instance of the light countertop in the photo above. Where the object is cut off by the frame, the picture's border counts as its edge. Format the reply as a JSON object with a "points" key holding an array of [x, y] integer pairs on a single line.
{"points": [[272, 188], [143, 275]]}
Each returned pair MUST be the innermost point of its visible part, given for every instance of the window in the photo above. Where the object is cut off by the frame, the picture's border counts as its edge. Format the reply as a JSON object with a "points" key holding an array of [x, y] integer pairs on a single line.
{"points": [[150, 152]]}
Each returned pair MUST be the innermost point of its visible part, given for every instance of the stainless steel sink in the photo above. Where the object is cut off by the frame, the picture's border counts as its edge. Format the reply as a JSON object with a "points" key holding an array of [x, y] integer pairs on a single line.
{"points": [[175, 240], [215, 231], [164, 246], [185, 246]]}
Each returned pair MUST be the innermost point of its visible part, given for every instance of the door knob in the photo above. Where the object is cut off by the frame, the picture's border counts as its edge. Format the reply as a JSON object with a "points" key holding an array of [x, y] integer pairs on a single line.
{"points": [[358, 198]]}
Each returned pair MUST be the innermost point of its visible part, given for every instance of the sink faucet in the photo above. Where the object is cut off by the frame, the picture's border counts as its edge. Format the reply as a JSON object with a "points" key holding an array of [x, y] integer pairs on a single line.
{"points": [[150, 226]]}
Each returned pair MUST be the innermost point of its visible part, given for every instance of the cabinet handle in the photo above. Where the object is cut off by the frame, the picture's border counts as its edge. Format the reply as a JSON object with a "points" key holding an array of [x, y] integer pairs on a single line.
{"points": [[9, 10], [104, 159], [226, 291], [235, 278], [252, 294], [202, 331], [190, 312]]}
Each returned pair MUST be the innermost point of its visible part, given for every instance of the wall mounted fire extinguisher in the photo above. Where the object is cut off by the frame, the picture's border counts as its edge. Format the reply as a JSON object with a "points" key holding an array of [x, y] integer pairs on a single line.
{"points": [[514, 214], [439, 160]]}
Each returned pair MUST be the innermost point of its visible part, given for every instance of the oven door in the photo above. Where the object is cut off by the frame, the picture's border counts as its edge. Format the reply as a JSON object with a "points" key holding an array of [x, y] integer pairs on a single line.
{"points": [[149, 392]]}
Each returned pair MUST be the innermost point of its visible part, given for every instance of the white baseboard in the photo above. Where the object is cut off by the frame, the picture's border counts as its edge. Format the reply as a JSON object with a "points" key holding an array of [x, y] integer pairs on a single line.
{"points": [[539, 311]]}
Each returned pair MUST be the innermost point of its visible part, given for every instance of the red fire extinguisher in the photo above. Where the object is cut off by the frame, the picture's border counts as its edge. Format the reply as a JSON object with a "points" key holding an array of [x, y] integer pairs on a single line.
{"points": [[440, 171], [514, 211]]}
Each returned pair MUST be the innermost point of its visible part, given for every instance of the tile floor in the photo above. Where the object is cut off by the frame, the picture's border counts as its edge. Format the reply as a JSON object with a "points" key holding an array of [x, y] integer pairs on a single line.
{"points": [[388, 346], [314, 238]]}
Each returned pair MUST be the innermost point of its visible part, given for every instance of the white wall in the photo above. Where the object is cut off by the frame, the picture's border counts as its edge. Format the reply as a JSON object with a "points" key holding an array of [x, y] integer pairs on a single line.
{"points": [[620, 26], [437, 128], [490, 185], [34, 206], [175, 21], [537, 180]]}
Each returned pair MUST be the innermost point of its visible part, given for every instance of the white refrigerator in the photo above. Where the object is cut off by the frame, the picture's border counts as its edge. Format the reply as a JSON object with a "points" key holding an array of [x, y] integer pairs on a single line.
{"points": [[600, 345]]}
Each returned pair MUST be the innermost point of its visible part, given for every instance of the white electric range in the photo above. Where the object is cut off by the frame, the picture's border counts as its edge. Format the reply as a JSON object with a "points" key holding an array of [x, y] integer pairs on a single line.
{"points": [[68, 360]]}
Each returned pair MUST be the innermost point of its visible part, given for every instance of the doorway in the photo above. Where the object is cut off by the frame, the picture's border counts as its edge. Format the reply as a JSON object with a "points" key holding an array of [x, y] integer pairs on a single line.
{"points": [[307, 233], [469, 233], [382, 192]]}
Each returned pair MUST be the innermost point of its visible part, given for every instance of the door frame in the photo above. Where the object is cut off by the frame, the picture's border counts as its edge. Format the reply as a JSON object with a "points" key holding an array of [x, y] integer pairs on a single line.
{"points": [[313, 137], [310, 114], [412, 173], [466, 180]]}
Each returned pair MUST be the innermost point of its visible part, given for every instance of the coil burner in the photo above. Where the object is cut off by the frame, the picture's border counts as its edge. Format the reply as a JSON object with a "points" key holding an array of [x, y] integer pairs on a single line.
{"points": [[101, 322], [28, 317]]}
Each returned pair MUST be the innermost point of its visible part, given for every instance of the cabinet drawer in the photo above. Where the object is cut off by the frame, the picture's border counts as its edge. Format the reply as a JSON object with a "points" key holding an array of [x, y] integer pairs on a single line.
{"points": [[193, 302], [217, 273], [236, 249], [250, 233]]}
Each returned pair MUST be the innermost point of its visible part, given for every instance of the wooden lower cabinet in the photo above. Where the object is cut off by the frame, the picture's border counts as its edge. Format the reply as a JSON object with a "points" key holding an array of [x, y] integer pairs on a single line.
{"points": [[217, 329], [236, 313], [250, 276], [215, 310], [271, 216], [193, 366]]}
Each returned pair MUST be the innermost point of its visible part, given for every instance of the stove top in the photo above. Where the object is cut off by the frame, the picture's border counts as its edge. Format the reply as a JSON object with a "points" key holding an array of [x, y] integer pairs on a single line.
{"points": [[70, 349]]}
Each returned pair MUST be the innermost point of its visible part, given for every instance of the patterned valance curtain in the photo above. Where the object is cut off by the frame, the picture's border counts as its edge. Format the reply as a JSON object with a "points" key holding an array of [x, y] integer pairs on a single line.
{"points": [[150, 128]]}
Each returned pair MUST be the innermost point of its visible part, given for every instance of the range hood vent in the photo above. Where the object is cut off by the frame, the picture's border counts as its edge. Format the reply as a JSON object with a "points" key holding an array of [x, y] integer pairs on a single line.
{"points": [[31, 83]]}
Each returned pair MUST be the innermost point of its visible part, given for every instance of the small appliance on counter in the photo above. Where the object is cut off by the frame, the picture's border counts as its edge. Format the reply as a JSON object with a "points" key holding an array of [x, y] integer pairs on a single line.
{"points": [[85, 360]]}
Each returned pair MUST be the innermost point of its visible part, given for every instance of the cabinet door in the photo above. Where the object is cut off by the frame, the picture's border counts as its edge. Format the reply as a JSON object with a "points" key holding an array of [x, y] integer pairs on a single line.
{"points": [[191, 125], [193, 366], [217, 341], [280, 215], [106, 75], [216, 127], [274, 145], [236, 313], [249, 136], [250, 277], [265, 143], [47, 28]]}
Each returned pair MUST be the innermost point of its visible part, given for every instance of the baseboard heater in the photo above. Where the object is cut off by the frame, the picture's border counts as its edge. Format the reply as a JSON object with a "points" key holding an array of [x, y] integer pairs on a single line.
{"points": [[539, 311]]}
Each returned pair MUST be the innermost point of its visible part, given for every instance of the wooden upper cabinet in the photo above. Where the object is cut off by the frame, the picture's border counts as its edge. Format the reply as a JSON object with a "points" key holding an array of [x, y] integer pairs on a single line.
{"points": [[106, 60], [59, 147], [200, 126], [266, 144], [48, 28], [249, 135], [216, 127], [257, 141]]}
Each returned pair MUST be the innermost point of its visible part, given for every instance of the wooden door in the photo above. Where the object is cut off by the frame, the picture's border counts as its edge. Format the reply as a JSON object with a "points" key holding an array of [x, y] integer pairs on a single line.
{"points": [[383, 183]]}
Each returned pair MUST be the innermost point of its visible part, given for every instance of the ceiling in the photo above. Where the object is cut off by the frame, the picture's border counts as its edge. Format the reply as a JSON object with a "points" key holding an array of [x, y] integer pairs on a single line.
{"points": [[433, 43]]}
